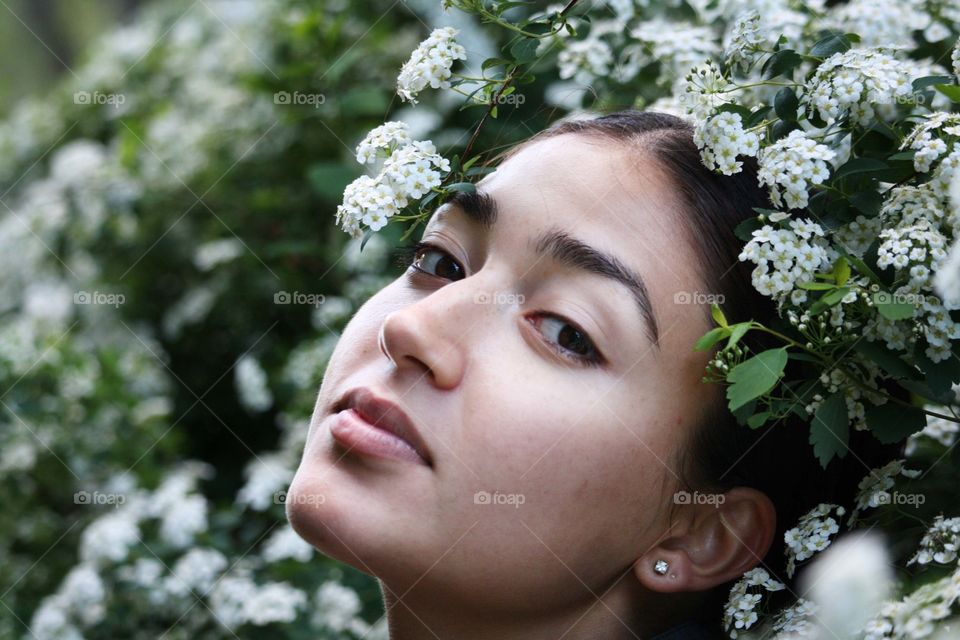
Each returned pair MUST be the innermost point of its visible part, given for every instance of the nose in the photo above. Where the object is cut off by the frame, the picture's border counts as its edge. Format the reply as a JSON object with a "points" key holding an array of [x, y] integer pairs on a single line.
{"points": [[427, 337]]}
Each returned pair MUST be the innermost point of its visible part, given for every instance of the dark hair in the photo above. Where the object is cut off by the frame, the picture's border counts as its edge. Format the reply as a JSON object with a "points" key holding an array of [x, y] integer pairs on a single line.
{"points": [[722, 454]]}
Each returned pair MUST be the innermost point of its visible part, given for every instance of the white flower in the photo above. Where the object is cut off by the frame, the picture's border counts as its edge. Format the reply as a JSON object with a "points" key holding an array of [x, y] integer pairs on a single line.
{"points": [[739, 612], [210, 254], [786, 257], [385, 138], [251, 381], [266, 475], [955, 58], [184, 520], [335, 606], [705, 90], [109, 538], [792, 164], [947, 278], [196, 571], [939, 543], [848, 583], [275, 602], [584, 60], [812, 534], [856, 80], [744, 39], [872, 491], [286, 543], [430, 64], [722, 139]]}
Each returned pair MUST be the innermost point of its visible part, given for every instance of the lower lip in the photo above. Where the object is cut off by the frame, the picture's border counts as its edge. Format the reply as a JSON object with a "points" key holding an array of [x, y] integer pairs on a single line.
{"points": [[356, 434]]}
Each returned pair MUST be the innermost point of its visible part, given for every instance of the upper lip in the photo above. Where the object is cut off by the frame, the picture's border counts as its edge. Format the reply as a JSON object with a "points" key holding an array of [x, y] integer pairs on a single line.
{"points": [[384, 414]]}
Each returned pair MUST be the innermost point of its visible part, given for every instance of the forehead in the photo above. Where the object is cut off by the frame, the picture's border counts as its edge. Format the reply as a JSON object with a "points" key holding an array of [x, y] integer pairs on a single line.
{"points": [[611, 195]]}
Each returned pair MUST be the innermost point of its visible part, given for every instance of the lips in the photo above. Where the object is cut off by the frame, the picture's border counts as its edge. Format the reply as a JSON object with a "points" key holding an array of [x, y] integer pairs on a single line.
{"points": [[362, 414]]}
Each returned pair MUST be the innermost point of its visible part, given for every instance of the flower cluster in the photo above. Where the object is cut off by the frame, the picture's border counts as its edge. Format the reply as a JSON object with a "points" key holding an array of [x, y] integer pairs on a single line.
{"points": [[854, 81], [812, 534], [744, 40], [939, 543], [584, 60], [430, 64], [740, 611], [786, 257], [793, 164], [722, 139], [410, 169], [874, 488]]}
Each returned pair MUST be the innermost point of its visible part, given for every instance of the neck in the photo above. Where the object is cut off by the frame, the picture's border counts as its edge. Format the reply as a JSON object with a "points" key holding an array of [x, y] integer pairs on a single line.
{"points": [[617, 613]]}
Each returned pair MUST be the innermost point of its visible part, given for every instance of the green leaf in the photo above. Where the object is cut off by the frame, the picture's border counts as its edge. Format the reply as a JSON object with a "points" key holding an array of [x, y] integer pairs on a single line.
{"points": [[863, 269], [738, 331], [892, 422], [467, 187], [710, 338], [745, 229], [920, 84], [758, 419], [493, 62], [755, 376], [842, 269], [717, 314], [834, 296], [830, 45], [860, 165], [816, 286], [892, 310], [525, 50], [781, 63], [830, 429], [867, 202], [952, 91], [889, 361], [785, 103], [366, 236]]}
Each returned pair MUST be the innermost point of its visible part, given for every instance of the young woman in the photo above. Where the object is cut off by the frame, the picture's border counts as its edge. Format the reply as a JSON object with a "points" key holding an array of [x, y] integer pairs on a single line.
{"points": [[546, 460]]}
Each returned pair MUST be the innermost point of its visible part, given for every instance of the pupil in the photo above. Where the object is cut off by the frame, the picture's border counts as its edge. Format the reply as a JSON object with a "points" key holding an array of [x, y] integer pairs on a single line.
{"points": [[578, 345], [447, 273]]}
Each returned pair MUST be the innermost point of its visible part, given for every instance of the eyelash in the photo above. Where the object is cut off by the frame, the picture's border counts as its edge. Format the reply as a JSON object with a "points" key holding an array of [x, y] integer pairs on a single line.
{"points": [[404, 257]]}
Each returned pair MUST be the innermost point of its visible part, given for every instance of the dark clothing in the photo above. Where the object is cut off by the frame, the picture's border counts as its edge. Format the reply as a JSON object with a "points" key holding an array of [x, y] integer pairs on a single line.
{"points": [[690, 630]]}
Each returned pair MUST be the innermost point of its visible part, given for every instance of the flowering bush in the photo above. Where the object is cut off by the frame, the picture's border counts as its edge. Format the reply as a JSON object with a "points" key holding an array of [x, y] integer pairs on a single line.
{"points": [[145, 355], [850, 115]]}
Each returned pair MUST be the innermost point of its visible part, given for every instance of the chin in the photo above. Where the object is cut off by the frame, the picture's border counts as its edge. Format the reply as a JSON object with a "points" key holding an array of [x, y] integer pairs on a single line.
{"points": [[326, 519]]}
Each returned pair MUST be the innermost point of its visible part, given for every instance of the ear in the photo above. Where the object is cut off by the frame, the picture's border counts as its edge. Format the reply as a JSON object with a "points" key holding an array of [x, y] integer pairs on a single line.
{"points": [[712, 543]]}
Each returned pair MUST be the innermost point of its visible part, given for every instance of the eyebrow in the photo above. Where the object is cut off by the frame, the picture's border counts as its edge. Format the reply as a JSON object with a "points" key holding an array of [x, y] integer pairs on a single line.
{"points": [[481, 208]]}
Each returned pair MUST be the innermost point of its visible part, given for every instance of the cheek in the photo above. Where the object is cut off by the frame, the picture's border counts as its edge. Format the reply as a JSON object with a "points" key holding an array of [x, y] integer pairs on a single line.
{"points": [[565, 459]]}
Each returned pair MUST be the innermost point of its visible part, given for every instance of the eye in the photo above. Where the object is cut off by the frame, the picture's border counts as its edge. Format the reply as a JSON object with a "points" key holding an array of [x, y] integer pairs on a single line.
{"points": [[431, 260], [567, 339]]}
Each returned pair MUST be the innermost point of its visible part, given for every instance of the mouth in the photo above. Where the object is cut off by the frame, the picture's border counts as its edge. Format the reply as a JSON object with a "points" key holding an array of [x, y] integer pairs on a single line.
{"points": [[374, 425]]}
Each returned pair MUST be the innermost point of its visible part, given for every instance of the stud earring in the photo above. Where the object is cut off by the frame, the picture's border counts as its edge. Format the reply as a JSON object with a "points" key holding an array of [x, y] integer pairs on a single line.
{"points": [[661, 567]]}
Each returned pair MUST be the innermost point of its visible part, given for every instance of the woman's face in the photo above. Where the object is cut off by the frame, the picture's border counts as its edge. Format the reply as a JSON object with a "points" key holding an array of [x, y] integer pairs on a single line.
{"points": [[531, 378]]}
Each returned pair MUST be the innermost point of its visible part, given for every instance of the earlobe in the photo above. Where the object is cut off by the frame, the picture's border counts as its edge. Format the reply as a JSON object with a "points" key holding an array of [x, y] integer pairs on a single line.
{"points": [[715, 543]]}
